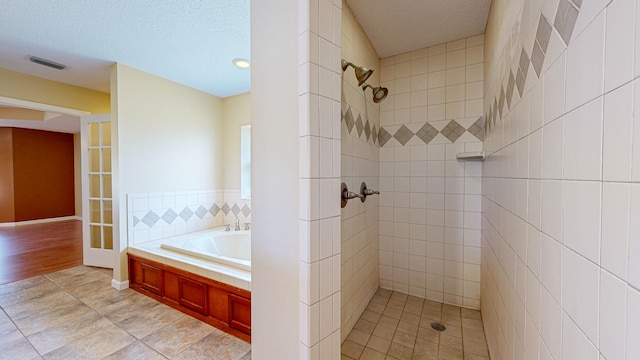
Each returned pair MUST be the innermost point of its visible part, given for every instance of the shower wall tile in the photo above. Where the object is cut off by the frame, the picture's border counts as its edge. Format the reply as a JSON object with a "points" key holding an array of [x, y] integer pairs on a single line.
{"points": [[560, 166], [319, 92], [430, 203]]}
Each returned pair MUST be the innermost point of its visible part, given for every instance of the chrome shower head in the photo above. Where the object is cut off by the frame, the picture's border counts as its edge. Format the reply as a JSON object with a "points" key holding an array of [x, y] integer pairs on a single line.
{"points": [[362, 73], [379, 93]]}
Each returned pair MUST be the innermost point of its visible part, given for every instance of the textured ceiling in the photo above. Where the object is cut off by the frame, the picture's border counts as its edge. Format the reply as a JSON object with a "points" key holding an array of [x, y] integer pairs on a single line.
{"points": [[397, 26], [191, 42]]}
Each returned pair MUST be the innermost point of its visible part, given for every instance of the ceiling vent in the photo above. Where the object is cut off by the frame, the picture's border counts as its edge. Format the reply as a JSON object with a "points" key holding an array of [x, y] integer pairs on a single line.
{"points": [[45, 62]]}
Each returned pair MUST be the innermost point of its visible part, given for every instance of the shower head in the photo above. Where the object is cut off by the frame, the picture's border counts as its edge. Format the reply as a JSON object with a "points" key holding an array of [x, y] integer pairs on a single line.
{"points": [[362, 73], [379, 93]]}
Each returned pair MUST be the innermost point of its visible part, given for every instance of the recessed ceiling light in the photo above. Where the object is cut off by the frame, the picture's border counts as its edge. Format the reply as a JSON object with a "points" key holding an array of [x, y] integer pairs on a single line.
{"points": [[241, 63]]}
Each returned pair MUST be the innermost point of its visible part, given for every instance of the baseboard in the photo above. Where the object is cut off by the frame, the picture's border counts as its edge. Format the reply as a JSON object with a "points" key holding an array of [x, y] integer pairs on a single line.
{"points": [[119, 285], [40, 221]]}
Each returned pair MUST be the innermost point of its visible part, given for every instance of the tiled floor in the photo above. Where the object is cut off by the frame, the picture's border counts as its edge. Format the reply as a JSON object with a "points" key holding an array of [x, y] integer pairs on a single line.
{"points": [[397, 326], [76, 314]]}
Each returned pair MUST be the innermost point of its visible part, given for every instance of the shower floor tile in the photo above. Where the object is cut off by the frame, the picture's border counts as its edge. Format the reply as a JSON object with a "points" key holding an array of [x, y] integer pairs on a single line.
{"points": [[398, 326]]}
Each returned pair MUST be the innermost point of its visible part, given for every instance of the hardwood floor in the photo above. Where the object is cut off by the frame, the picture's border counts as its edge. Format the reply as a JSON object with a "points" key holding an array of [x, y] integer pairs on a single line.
{"points": [[32, 250]]}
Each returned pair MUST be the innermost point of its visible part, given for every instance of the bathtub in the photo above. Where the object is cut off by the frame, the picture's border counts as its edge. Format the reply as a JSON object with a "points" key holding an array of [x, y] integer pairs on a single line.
{"points": [[232, 248]]}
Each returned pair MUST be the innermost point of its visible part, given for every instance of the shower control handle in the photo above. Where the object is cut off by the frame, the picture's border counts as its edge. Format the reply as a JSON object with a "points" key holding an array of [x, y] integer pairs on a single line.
{"points": [[368, 192], [364, 191], [346, 195]]}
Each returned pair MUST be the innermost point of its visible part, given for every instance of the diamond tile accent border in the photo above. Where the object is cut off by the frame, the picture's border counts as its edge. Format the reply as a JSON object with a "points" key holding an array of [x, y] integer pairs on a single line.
{"points": [[365, 129], [451, 132], [158, 215], [564, 23]]}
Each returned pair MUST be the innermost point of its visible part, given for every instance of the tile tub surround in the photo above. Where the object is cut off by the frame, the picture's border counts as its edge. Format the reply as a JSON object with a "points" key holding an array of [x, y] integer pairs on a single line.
{"points": [[75, 314], [397, 326], [430, 203], [359, 150], [152, 216], [560, 236]]}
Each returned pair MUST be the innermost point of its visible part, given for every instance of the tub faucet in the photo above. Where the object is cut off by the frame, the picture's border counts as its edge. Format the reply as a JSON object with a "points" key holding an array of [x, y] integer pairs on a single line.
{"points": [[237, 228]]}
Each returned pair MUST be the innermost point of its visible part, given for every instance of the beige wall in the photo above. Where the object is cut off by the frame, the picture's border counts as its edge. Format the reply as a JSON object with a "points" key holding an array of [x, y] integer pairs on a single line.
{"points": [[166, 137], [236, 112], [26, 87]]}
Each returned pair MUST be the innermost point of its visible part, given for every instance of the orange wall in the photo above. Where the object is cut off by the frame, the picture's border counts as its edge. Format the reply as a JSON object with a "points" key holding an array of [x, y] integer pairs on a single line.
{"points": [[43, 176], [7, 213]]}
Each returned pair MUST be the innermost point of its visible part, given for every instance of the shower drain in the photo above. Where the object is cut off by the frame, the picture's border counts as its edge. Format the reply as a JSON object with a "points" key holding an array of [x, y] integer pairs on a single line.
{"points": [[438, 326]]}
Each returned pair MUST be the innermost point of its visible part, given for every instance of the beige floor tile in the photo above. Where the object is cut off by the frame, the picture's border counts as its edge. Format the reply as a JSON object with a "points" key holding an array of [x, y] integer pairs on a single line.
{"points": [[91, 288], [378, 299], [375, 307], [453, 319], [73, 282], [475, 357], [473, 335], [67, 273], [384, 292], [96, 345], [130, 307], [57, 298], [379, 344], [52, 317], [384, 332], [435, 314], [414, 300], [447, 353], [392, 312], [174, 338], [150, 319], [15, 346], [109, 300], [471, 314], [370, 354], [23, 284], [396, 304], [370, 316], [400, 351], [472, 324], [388, 322], [450, 309], [217, 345], [351, 349], [476, 348], [359, 337], [404, 339], [427, 333], [415, 309], [38, 290], [407, 328], [65, 333], [410, 318], [247, 356], [425, 348], [137, 350], [451, 341], [453, 330], [365, 326], [399, 296]]}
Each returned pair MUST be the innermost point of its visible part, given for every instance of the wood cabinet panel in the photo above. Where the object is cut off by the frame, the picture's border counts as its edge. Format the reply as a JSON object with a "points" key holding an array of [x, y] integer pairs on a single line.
{"points": [[151, 278], [192, 294], [240, 313], [221, 305], [170, 286]]}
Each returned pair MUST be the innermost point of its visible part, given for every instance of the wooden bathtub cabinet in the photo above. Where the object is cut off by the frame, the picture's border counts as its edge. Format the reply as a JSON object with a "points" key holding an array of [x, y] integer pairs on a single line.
{"points": [[224, 306]]}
